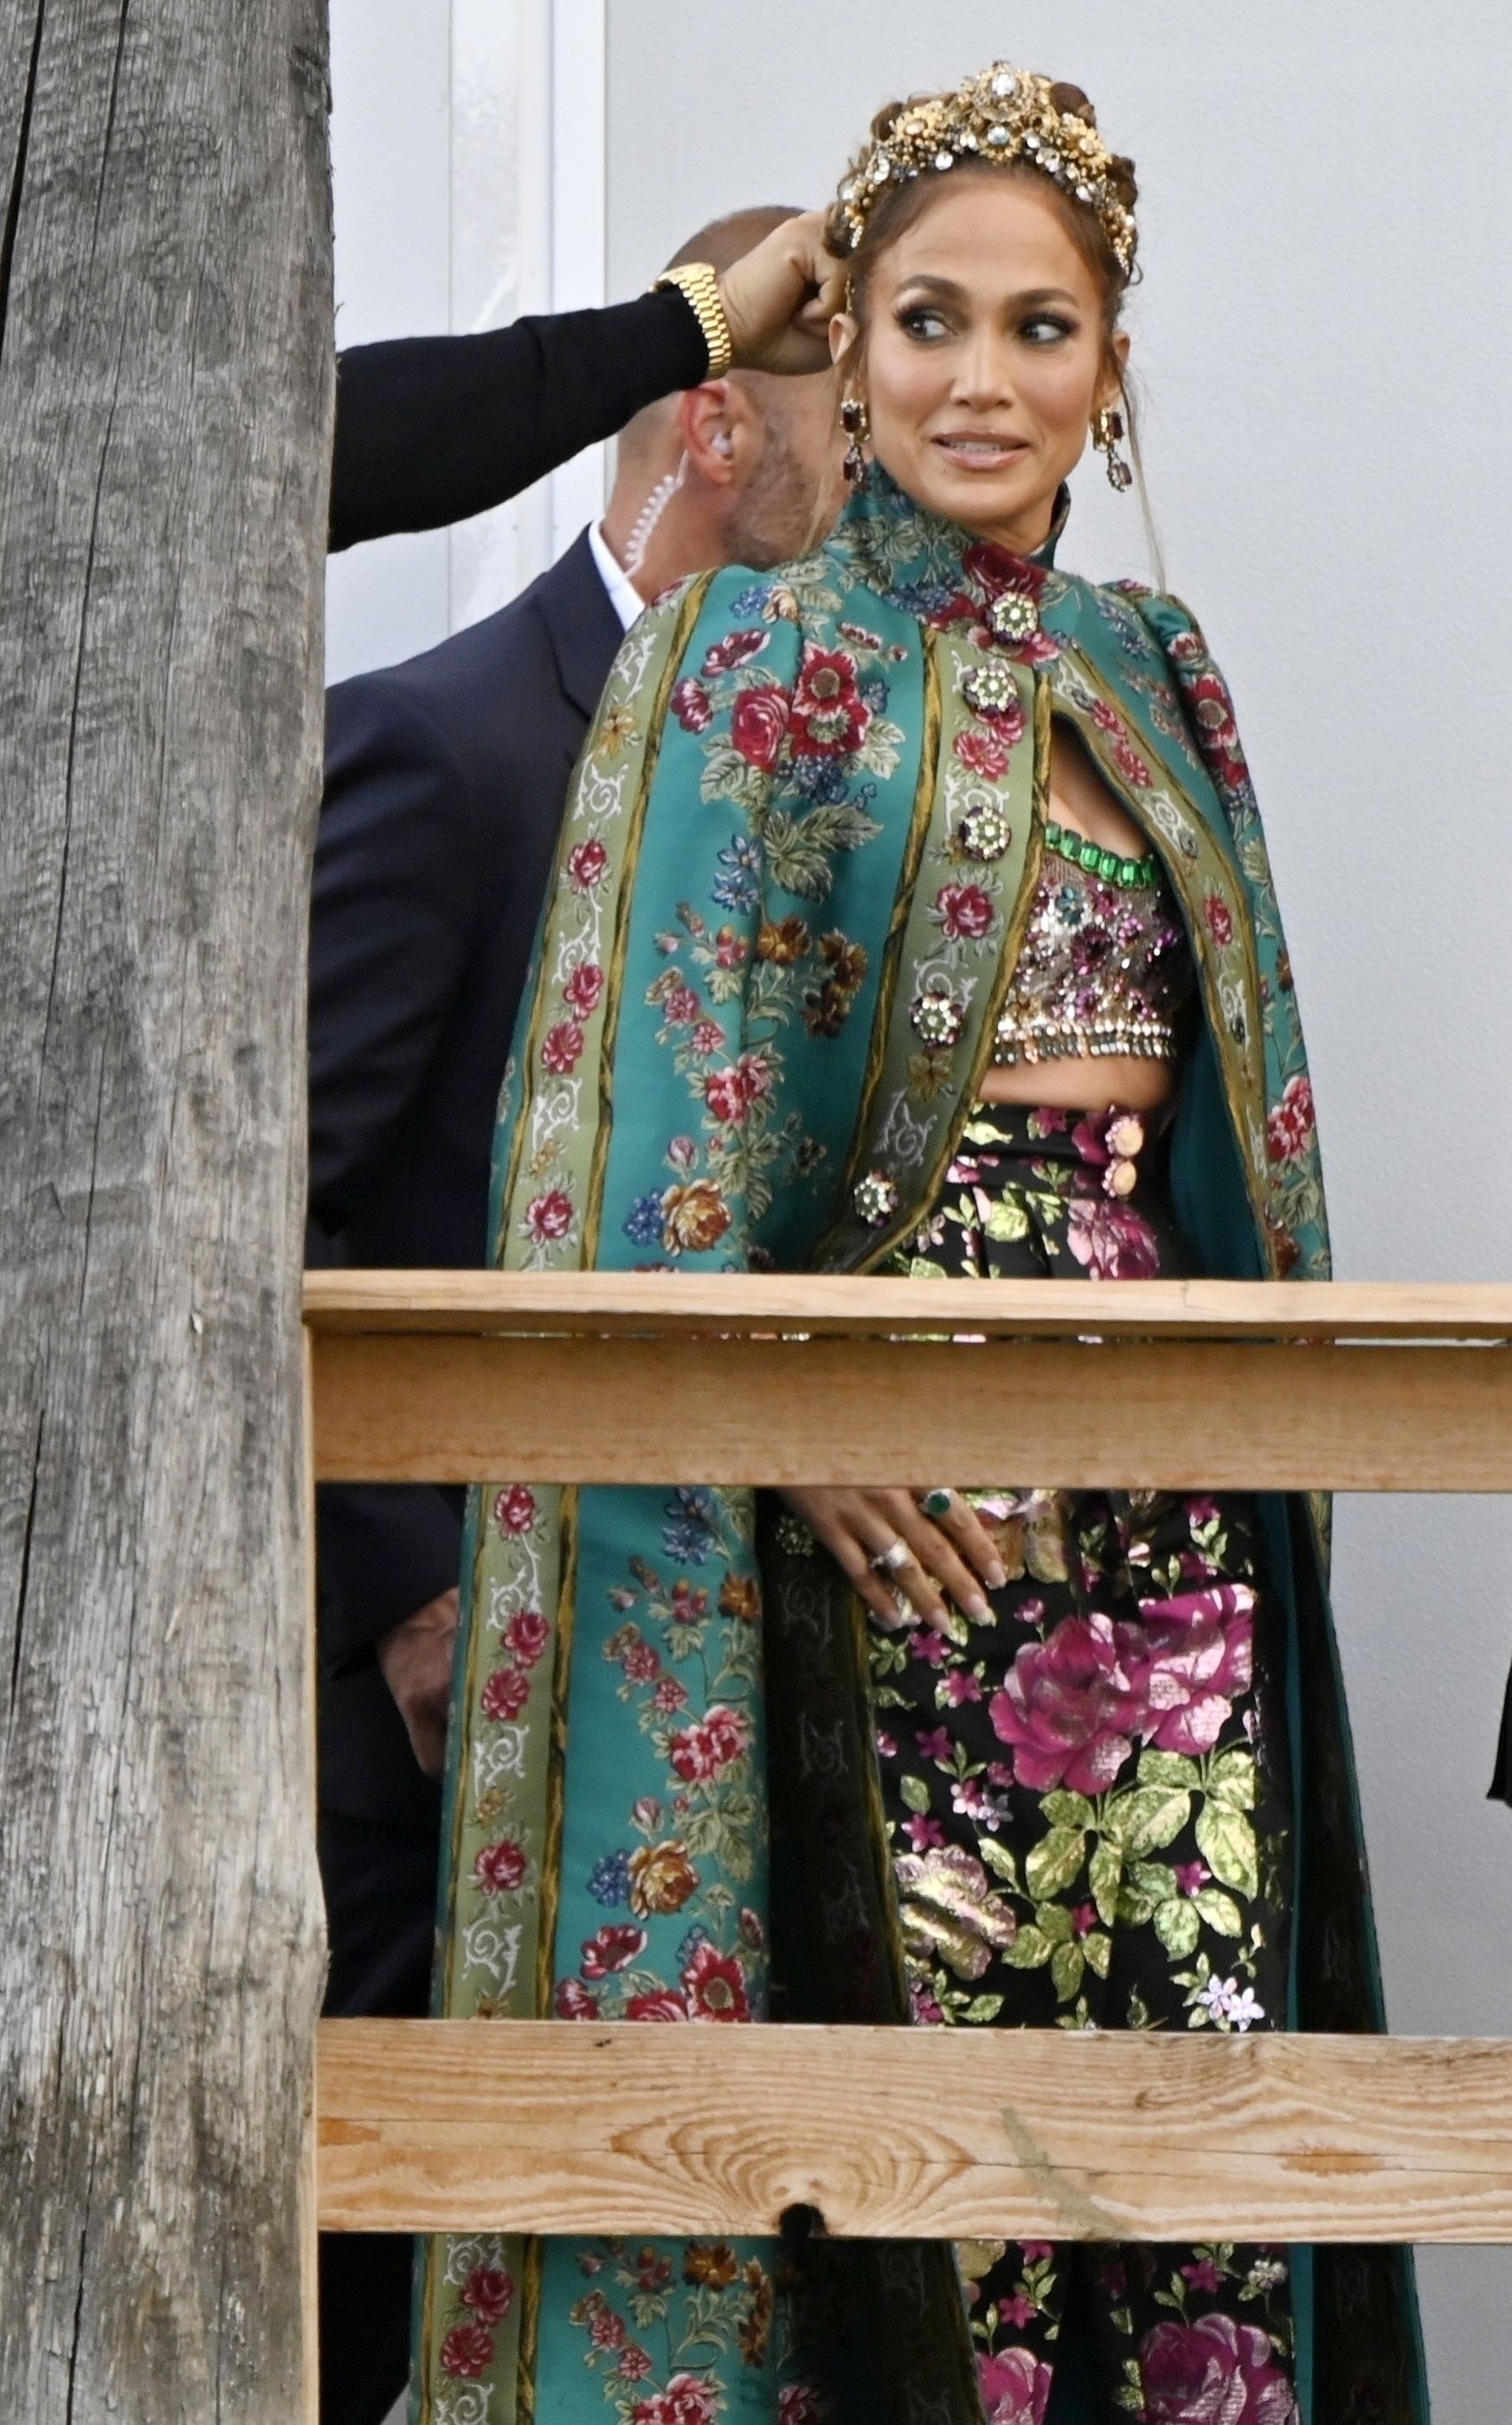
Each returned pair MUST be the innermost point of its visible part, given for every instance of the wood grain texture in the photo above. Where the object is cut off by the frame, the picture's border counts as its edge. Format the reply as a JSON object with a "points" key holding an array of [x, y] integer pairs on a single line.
{"points": [[165, 390], [1175, 1414], [672, 1304], [566, 2126]]}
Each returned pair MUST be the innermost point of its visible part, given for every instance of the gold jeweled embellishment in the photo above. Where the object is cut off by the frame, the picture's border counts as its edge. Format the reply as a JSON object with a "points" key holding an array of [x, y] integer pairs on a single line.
{"points": [[876, 1198], [1013, 618], [984, 832], [990, 689], [937, 1017]]}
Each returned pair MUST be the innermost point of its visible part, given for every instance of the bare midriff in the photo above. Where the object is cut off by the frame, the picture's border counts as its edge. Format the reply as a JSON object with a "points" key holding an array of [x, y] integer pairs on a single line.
{"points": [[1081, 802]]}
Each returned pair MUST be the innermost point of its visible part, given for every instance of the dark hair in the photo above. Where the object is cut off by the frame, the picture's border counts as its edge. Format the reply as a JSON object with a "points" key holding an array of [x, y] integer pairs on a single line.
{"points": [[906, 204]]}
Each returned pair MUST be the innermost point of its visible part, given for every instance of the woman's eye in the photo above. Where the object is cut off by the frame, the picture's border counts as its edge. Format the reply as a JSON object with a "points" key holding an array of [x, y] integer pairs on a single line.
{"points": [[924, 324], [1046, 330]]}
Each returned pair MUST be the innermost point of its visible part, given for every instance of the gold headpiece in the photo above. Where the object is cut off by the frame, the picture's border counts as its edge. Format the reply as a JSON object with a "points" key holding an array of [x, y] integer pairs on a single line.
{"points": [[1001, 115]]}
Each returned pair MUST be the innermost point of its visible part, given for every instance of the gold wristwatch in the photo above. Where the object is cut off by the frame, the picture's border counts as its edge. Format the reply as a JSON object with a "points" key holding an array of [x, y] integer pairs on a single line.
{"points": [[700, 282]]}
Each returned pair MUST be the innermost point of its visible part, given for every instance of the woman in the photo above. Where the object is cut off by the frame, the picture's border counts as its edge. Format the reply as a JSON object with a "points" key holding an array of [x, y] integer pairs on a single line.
{"points": [[914, 915]]}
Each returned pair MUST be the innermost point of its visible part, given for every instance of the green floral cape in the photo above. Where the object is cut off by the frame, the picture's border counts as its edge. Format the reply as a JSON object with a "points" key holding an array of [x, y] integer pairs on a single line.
{"points": [[796, 866]]}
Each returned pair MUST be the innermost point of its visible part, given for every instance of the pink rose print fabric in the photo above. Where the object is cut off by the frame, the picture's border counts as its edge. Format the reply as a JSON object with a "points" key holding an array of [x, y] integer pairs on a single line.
{"points": [[1087, 1796]]}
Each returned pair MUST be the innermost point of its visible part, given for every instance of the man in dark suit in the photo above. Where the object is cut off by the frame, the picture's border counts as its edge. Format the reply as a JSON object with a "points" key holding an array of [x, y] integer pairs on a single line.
{"points": [[445, 783]]}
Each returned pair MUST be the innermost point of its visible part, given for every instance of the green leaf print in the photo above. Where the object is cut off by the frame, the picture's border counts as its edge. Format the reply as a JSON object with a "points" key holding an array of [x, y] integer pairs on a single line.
{"points": [[1231, 1778], [1178, 1927], [1169, 1768], [1226, 1840], [1030, 1950], [1055, 1862], [1219, 1910], [999, 1859], [1099, 1951], [1067, 1809], [1007, 1222], [1067, 1965], [915, 1793], [1147, 1818], [1104, 1873], [1056, 1920], [981, 2010], [799, 849]]}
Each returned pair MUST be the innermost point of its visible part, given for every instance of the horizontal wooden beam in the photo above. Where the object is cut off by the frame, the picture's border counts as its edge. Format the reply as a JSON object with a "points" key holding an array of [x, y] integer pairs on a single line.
{"points": [[1134, 1414], [676, 1304], [571, 2127]]}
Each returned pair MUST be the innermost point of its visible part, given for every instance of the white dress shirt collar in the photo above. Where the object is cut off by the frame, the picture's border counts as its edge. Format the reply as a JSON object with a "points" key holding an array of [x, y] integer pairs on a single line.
{"points": [[624, 597]]}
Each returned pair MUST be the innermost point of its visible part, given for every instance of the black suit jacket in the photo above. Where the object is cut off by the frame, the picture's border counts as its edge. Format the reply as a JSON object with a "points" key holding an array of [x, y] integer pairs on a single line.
{"points": [[445, 781]]}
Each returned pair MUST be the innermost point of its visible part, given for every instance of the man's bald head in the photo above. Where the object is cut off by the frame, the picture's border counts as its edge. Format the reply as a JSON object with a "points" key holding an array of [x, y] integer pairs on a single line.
{"points": [[721, 244]]}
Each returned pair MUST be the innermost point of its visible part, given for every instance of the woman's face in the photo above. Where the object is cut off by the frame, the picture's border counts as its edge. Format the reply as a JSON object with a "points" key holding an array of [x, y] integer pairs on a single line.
{"points": [[983, 359]]}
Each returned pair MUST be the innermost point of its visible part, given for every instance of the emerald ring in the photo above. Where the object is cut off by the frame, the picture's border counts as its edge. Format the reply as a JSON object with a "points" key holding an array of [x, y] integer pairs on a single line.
{"points": [[937, 1502]]}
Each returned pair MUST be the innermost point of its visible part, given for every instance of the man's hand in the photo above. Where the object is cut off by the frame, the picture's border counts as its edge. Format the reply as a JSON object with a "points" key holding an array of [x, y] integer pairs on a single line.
{"points": [[416, 1662], [781, 298]]}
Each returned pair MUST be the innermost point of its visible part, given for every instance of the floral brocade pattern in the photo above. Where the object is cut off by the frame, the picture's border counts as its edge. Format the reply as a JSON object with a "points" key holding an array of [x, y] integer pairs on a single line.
{"points": [[1086, 1797]]}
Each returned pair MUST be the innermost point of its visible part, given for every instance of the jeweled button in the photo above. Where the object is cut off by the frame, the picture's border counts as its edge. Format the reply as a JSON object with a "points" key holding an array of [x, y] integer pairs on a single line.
{"points": [[989, 689], [937, 1017], [876, 1198], [985, 832], [1014, 617]]}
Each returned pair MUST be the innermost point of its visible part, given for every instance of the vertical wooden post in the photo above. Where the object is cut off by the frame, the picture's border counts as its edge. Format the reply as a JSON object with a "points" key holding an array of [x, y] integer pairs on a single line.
{"points": [[165, 396]]}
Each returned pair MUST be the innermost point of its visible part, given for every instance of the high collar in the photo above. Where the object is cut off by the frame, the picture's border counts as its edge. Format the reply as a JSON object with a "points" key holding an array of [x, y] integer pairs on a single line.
{"points": [[909, 551]]}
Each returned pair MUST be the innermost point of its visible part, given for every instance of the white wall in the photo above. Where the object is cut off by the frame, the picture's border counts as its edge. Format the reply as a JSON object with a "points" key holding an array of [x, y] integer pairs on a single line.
{"points": [[468, 144], [1324, 338]]}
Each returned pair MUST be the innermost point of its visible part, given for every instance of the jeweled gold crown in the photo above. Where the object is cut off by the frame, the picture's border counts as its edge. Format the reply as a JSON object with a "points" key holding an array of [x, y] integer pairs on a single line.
{"points": [[1004, 115]]}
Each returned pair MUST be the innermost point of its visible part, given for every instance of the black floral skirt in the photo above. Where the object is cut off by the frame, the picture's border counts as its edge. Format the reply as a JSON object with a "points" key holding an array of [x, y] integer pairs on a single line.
{"points": [[1086, 1798]]}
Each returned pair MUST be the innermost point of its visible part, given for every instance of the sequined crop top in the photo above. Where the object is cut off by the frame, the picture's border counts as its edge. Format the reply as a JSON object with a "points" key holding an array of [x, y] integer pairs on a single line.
{"points": [[1106, 966]]}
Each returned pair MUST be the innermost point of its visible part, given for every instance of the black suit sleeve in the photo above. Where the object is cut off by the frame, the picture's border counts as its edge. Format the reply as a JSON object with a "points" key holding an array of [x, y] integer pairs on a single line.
{"points": [[393, 899], [430, 429]]}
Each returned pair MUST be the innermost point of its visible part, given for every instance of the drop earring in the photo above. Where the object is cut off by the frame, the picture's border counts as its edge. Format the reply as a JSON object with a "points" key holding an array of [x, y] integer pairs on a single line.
{"points": [[1107, 435], [858, 429]]}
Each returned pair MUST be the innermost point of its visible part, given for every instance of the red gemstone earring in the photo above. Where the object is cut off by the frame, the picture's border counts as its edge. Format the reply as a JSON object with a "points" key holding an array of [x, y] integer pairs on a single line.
{"points": [[1107, 435], [858, 429]]}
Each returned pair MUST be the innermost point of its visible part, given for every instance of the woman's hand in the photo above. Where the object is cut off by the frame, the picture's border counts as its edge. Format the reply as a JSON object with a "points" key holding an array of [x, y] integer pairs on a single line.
{"points": [[953, 1555], [781, 297]]}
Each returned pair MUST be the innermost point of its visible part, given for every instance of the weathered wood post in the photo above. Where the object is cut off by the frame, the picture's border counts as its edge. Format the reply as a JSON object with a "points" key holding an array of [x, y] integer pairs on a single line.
{"points": [[165, 389]]}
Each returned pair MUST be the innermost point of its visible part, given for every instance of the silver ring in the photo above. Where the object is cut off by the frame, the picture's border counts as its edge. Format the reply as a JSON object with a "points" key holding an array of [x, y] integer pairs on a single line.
{"points": [[892, 1560], [936, 1502]]}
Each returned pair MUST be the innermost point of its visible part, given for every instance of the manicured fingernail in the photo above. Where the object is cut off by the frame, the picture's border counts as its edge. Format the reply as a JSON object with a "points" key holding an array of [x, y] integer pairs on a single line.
{"points": [[996, 1575], [975, 1606]]}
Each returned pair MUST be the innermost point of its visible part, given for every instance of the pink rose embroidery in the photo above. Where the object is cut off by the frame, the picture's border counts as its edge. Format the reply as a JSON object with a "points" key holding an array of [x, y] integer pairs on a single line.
{"points": [[1015, 2387], [1070, 1708], [715, 1985], [828, 716], [1290, 1127], [561, 1048], [692, 707], [548, 1217], [705, 1749], [1219, 920], [586, 864], [500, 1867], [965, 911], [612, 1949], [736, 649], [663, 2006], [514, 1510], [1195, 1658], [574, 2003], [1113, 1242], [504, 1694], [584, 989], [1213, 2372], [489, 2292], [467, 2351], [527, 1635], [758, 726]]}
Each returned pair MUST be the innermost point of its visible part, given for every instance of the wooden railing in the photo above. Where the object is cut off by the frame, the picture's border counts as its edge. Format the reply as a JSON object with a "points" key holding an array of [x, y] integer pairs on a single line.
{"points": [[429, 2126]]}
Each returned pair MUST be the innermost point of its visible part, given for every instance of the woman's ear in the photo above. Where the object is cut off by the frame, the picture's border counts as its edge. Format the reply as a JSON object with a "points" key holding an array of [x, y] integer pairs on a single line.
{"points": [[1111, 391], [844, 332]]}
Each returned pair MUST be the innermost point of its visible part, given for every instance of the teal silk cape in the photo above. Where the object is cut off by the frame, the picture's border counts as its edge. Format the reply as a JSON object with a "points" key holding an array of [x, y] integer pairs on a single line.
{"points": [[811, 802]]}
